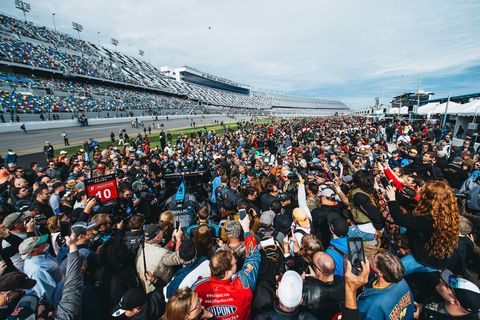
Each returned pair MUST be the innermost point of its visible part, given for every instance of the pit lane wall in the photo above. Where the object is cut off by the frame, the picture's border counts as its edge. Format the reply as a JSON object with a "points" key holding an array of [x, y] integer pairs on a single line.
{"points": [[50, 124]]}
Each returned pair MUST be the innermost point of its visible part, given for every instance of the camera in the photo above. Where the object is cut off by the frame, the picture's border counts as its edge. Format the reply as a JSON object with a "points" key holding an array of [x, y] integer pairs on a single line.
{"points": [[37, 218]]}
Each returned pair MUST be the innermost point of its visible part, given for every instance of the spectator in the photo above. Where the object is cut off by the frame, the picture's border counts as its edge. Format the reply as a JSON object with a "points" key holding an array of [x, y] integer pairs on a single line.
{"points": [[432, 229], [388, 294], [323, 292], [40, 266], [234, 288], [289, 294]]}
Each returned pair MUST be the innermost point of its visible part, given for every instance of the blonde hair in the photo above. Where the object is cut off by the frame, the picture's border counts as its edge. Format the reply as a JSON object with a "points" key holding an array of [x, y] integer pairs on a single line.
{"points": [[166, 217], [178, 306], [52, 224], [438, 200]]}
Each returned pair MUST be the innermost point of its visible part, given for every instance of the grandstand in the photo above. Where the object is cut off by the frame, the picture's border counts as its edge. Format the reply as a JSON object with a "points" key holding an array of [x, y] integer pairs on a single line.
{"points": [[46, 71]]}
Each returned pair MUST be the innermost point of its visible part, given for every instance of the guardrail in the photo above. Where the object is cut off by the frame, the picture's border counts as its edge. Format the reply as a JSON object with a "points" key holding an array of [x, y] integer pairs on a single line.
{"points": [[50, 124]]}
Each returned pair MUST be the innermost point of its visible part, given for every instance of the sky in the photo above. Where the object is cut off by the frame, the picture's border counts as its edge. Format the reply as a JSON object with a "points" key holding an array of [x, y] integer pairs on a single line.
{"points": [[348, 50]]}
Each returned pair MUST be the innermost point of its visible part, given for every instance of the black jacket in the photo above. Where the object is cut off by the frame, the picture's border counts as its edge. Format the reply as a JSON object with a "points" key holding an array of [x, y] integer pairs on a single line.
{"points": [[276, 314], [324, 298], [419, 231], [155, 306]]}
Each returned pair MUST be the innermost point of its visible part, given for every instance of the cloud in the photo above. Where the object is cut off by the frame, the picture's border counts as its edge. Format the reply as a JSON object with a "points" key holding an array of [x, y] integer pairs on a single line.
{"points": [[338, 49]]}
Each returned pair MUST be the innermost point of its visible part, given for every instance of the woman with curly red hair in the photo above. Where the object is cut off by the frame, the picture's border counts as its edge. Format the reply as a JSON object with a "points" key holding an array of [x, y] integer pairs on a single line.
{"points": [[432, 228]]}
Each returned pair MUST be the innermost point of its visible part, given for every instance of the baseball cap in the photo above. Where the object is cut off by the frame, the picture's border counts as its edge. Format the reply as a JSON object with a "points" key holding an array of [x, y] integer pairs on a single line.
{"points": [[466, 292], [12, 219], [290, 289], [267, 218], [31, 243], [328, 193], [301, 217], [133, 298], [338, 224], [71, 184], [283, 196], [63, 152], [16, 280], [82, 227]]}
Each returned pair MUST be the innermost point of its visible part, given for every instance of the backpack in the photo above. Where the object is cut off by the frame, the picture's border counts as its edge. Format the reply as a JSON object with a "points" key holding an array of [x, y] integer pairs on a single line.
{"points": [[340, 252], [272, 251]]}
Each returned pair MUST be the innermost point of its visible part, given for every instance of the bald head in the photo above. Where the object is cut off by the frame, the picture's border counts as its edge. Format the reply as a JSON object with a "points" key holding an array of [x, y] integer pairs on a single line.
{"points": [[324, 264]]}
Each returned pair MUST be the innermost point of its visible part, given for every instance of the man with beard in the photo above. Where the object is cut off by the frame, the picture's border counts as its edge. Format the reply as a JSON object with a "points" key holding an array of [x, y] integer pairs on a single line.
{"points": [[41, 202]]}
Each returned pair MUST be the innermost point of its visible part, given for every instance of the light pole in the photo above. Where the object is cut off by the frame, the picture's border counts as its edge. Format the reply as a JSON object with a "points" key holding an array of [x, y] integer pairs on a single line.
{"points": [[78, 27], [98, 36], [115, 43], [23, 6], [54, 25]]}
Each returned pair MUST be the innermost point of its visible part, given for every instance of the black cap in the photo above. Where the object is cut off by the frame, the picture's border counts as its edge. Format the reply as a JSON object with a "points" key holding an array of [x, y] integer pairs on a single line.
{"points": [[338, 224], [187, 250], [16, 280], [466, 292], [283, 196], [132, 299]]}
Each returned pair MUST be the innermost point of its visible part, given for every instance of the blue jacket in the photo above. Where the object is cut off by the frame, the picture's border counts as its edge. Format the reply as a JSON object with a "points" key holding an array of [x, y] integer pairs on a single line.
{"points": [[216, 182], [393, 302], [11, 157], [341, 244]]}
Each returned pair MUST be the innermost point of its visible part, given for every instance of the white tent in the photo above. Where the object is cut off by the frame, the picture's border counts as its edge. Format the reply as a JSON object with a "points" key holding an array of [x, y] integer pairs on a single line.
{"points": [[427, 109], [393, 110], [470, 108], [453, 108]]}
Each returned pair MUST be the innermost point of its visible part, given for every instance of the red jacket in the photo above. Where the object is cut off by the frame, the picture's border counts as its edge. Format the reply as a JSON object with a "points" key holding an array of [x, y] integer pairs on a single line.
{"points": [[232, 298], [397, 183]]}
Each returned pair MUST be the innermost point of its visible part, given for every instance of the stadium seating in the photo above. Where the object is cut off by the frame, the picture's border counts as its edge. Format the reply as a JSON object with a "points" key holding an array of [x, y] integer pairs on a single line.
{"points": [[39, 47]]}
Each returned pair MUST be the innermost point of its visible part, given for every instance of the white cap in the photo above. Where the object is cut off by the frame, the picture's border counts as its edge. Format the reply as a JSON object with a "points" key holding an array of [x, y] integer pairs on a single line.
{"points": [[290, 289]]}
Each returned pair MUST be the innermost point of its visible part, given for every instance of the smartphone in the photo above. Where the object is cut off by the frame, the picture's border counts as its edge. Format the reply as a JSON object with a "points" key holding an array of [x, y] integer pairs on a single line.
{"points": [[384, 181], [177, 223], [356, 254], [64, 228], [242, 213]]}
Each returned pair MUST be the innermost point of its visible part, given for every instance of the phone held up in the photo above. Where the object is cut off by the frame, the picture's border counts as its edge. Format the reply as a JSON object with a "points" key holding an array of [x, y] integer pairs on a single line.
{"points": [[356, 254]]}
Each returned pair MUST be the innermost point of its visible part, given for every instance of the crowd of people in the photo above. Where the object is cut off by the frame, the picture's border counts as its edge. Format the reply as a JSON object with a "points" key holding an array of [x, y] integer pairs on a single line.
{"points": [[315, 218], [40, 33], [17, 95], [37, 46]]}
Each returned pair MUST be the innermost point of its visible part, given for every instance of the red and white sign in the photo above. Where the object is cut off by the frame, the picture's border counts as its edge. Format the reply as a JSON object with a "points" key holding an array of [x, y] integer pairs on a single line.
{"points": [[103, 188]]}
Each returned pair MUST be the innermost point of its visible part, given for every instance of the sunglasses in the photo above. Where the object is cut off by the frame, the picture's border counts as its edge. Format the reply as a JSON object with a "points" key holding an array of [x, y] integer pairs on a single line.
{"points": [[453, 281]]}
